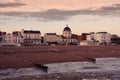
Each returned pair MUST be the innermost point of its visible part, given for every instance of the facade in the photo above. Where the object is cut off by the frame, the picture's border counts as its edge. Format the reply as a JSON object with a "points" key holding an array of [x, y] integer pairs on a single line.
{"points": [[79, 38], [84, 36], [74, 39], [52, 38], [82, 39], [2, 36], [115, 40], [67, 32], [84, 43], [69, 38], [14, 39], [99, 37], [31, 37], [17, 37], [66, 37]]}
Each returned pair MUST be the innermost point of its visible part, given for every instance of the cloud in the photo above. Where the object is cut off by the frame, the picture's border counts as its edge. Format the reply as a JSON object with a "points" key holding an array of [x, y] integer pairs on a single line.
{"points": [[9, 4], [111, 8], [57, 15]]}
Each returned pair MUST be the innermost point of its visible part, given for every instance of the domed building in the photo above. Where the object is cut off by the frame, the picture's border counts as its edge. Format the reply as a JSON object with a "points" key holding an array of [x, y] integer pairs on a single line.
{"points": [[67, 32], [67, 35], [67, 28]]}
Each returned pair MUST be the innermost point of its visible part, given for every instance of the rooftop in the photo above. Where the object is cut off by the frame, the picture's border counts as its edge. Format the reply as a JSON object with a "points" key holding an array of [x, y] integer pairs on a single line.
{"points": [[51, 33], [67, 28], [31, 31]]}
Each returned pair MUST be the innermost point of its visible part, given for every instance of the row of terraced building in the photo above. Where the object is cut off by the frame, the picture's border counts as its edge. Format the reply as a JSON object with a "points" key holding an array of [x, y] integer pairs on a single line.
{"points": [[33, 37]]}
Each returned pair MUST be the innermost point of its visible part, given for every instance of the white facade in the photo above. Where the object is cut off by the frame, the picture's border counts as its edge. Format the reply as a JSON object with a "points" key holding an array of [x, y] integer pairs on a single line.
{"points": [[67, 37], [51, 38], [100, 37], [31, 37], [11, 39], [82, 43], [66, 40], [67, 33]]}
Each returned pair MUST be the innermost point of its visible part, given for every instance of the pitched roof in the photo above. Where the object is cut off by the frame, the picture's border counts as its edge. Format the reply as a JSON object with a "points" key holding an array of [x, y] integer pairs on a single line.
{"points": [[51, 33]]}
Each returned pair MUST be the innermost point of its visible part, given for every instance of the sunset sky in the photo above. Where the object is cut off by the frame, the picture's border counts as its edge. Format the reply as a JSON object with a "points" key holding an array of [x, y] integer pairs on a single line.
{"points": [[53, 15]]}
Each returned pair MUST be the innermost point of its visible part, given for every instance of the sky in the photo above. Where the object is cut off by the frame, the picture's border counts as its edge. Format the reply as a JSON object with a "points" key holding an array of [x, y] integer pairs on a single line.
{"points": [[82, 16]]}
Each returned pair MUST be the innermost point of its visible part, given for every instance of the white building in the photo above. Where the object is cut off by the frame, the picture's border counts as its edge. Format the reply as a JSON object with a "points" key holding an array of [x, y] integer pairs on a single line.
{"points": [[31, 37], [13, 39], [52, 38], [17, 37], [69, 38], [83, 43], [67, 32], [99, 37]]}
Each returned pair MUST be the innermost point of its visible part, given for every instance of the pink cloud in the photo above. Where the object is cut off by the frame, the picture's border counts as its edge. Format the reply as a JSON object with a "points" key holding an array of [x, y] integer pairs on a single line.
{"points": [[38, 5]]}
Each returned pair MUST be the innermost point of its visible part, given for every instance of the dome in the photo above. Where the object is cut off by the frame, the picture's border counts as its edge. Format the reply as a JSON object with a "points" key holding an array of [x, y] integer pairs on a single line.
{"points": [[67, 28]]}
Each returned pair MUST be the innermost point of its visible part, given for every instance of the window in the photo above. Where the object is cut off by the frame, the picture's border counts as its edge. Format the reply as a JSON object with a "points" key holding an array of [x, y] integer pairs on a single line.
{"points": [[15, 40], [18, 41]]}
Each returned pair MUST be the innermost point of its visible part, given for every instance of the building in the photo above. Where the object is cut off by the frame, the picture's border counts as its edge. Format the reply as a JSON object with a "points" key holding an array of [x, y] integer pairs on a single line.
{"points": [[14, 39], [66, 37], [17, 37], [2, 34], [79, 38], [31, 37], [102, 38], [69, 38], [24, 37], [67, 32], [52, 38], [115, 40], [74, 39], [82, 39]]}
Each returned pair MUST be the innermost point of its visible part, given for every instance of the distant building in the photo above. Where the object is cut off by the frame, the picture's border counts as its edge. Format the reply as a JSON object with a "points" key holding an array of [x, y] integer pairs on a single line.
{"points": [[74, 39], [79, 38], [14, 39], [31, 37], [42, 40], [82, 39], [67, 33], [2, 34], [102, 38], [115, 40], [84, 36], [52, 38], [83, 43], [69, 38], [17, 37], [66, 37]]}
